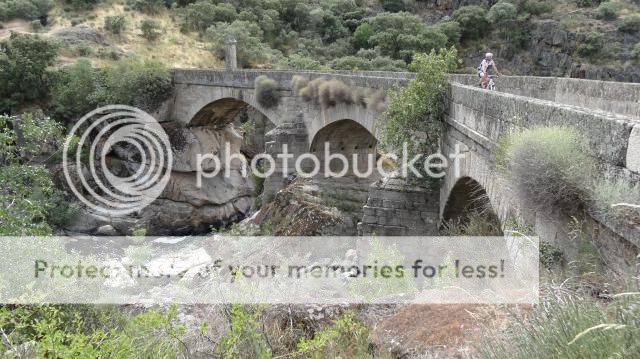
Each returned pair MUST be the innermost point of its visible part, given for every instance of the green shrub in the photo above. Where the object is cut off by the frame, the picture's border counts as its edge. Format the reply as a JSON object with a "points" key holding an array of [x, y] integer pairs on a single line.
{"points": [[151, 29], [267, 93], [115, 24], [202, 14], [147, 6], [502, 13], [400, 35], [353, 63], [452, 30], [27, 189], [393, 5], [587, 3], [473, 21], [549, 166], [301, 62], [592, 45], [83, 4], [419, 107], [536, 7], [108, 53], [84, 331], [630, 24], [252, 50], [73, 94], [345, 338], [608, 11], [24, 74], [244, 338], [636, 51], [81, 50]]}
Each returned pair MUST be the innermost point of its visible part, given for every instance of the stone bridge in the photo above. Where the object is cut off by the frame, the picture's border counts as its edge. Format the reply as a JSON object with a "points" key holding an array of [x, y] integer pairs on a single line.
{"points": [[608, 113]]}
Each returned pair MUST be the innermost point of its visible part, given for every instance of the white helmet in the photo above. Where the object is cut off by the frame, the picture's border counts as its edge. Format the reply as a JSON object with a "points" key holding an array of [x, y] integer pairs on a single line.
{"points": [[488, 55]]}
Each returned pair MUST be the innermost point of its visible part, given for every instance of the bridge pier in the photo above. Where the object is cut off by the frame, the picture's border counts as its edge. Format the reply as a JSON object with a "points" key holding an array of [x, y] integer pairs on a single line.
{"points": [[395, 208], [292, 136]]}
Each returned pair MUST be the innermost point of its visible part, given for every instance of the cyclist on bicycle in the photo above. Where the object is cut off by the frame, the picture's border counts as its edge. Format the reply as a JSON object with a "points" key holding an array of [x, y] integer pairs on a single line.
{"points": [[486, 63]]}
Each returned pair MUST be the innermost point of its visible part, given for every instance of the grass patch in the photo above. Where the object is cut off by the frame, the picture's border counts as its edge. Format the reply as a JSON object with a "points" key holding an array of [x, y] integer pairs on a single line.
{"points": [[566, 326]]}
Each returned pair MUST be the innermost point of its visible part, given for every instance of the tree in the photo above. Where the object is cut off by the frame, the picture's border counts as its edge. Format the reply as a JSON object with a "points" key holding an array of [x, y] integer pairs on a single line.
{"points": [[251, 47], [472, 20], [399, 35], [27, 193], [414, 114], [73, 93], [202, 14], [24, 61]]}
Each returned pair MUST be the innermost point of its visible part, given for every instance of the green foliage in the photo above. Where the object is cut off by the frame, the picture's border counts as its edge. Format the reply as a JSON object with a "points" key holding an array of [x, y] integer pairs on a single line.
{"points": [[345, 338], [202, 14], [83, 4], [24, 9], [550, 256], [630, 24], [115, 24], [301, 62], [244, 338], [563, 326], [502, 13], [536, 7], [473, 21], [452, 30], [549, 166], [592, 45], [72, 94], [393, 5], [151, 29], [267, 93], [400, 35], [587, 3], [24, 76], [608, 11], [147, 6], [354, 63], [636, 51], [27, 192], [416, 111], [80, 331], [253, 49]]}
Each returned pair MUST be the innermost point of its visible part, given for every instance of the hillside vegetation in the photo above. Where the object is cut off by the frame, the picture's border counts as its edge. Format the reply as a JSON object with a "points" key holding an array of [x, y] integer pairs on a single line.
{"points": [[582, 38]]}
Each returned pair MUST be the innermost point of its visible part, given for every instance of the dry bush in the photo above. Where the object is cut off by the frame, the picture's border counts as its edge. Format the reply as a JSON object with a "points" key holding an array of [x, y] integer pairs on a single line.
{"points": [[267, 93], [549, 166], [298, 83], [334, 92], [312, 90], [377, 100]]}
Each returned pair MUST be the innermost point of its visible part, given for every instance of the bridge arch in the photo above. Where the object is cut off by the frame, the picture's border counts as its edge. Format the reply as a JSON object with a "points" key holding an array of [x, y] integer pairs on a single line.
{"points": [[215, 105], [349, 138]]}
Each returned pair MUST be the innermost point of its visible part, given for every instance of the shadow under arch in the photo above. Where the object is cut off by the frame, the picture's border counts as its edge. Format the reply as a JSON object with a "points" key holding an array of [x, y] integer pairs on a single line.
{"points": [[468, 201], [221, 112], [349, 138]]}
